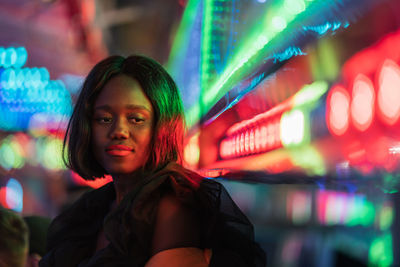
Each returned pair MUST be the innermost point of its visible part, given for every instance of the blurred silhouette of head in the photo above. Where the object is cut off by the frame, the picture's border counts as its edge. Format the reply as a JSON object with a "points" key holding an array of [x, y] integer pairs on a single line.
{"points": [[13, 239]]}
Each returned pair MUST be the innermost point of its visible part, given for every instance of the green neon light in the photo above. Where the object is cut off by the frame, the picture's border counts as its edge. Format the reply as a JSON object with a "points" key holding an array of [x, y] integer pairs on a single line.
{"points": [[381, 251], [275, 21], [310, 94], [206, 42], [180, 42]]}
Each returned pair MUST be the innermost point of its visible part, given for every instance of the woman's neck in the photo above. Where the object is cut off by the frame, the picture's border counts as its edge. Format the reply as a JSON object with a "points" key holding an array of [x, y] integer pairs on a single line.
{"points": [[124, 183]]}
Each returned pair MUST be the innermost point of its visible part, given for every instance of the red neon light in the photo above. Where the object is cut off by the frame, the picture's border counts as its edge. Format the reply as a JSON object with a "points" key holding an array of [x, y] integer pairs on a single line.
{"points": [[3, 202], [389, 92], [261, 138], [363, 102], [337, 113], [367, 60]]}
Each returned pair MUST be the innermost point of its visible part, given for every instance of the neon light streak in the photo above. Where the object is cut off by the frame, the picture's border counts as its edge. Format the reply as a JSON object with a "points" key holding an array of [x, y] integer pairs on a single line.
{"points": [[179, 47], [338, 105], [362, 104], [310, 93], [389, 92], [206, 42], [272, 27]]}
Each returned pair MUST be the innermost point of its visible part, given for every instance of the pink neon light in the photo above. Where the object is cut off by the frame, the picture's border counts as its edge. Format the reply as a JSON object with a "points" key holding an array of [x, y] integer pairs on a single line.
{"points": [[389, 92], [338, 106], [362, 104]]}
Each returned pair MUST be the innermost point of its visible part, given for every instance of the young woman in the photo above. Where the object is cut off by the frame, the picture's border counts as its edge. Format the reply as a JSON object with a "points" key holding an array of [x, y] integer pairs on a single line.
{"points": [[128, 123]]}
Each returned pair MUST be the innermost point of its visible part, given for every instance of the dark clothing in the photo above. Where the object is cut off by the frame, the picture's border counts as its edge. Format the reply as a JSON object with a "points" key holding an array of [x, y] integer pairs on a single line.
{"points": [[217, 224]]}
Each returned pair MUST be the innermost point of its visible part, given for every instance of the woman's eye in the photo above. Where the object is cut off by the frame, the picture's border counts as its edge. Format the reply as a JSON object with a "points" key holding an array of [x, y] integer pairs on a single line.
{"points": [[104, 120], [136, 119]]}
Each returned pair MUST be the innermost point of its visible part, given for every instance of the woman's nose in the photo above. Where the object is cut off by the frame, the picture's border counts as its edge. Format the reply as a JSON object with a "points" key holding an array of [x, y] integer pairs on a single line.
{"points": [[119, 131]]}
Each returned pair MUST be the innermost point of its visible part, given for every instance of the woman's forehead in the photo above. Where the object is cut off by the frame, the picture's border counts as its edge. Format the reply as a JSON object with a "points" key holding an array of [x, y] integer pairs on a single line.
{"points": [[123, 92]]}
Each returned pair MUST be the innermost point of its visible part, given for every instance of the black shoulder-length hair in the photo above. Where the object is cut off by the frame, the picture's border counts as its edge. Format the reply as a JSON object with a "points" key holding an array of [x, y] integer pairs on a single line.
{"points": [[159, 87]]}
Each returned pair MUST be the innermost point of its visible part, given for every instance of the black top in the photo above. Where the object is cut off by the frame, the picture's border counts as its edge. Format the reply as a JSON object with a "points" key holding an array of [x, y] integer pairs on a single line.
{"points": [[206, 217]]}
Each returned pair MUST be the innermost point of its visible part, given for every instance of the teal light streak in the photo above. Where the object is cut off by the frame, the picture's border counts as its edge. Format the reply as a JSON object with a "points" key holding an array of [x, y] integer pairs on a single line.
{"points": [[206, 42]]}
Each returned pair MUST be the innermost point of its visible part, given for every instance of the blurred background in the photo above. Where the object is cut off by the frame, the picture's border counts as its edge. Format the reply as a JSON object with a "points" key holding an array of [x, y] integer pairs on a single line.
{"points": [[294, 105]]}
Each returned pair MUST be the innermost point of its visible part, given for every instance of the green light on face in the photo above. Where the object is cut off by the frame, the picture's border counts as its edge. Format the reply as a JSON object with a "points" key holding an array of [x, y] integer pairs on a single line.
{"points": [[381, 251]]}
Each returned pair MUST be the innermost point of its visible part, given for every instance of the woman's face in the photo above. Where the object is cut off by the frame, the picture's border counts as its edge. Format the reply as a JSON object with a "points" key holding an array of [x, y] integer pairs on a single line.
{"points": [[122, 126]]}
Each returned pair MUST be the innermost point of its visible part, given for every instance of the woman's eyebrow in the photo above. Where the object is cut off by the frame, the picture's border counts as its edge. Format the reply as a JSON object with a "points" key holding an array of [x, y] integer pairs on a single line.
{"points": [[138, 107], [107, 107]]}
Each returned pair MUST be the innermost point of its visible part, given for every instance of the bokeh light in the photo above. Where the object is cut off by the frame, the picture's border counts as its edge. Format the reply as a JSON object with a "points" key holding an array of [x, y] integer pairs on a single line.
{"points": [[338, 107], [389, 92]]}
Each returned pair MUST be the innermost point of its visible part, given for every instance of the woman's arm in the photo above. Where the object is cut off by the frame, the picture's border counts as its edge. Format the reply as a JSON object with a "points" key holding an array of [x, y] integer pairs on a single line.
{"points": [[181, 257], [176, 240]]}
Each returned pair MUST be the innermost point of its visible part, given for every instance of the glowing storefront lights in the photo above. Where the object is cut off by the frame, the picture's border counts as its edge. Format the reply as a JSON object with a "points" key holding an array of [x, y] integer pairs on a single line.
{"points": [[255, 139], [25, 92], [338, 106], [340, 208], [389, 92], [363, 101], [286, 124], [292, 128], [13, 57]]}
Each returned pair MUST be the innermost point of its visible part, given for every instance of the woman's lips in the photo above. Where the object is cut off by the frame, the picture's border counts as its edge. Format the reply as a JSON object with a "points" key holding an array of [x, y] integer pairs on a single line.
{"points": [[119, 150]]}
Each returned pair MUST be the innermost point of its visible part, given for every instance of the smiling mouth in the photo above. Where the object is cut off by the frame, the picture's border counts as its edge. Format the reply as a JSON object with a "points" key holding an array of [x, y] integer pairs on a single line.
{"points": [[118, 153], [119, 150]]}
